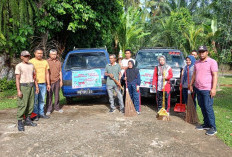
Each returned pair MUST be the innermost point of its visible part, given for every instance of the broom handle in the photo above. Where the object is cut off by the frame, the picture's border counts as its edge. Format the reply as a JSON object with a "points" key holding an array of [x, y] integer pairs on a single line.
{"points": [[126, 78], [188, 76], [163, 105], [181, 95]]}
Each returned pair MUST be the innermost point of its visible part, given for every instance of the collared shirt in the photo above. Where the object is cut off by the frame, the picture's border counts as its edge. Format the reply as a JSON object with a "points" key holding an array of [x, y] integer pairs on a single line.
{"points": [[26, 72], [40, 68], [55, 69], [125, 64], [204, 76], [115, 70]]}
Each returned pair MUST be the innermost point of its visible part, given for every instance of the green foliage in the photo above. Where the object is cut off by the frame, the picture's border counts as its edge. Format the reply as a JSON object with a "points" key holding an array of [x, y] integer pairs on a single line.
{"points": [[16, 19], [7, 85], [131, 29]]}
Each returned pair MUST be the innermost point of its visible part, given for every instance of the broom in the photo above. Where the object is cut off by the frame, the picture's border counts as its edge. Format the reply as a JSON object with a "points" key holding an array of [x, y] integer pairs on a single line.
{"points": [[162, 114], [129, 106], [191, 113]]}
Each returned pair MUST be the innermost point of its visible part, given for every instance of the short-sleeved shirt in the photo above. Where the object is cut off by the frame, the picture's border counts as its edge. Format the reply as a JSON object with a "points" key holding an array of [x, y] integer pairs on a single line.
{"points": [[204, 73], [40, 68], [55, 69], [115, 70], [125, 64], [26, 72]]}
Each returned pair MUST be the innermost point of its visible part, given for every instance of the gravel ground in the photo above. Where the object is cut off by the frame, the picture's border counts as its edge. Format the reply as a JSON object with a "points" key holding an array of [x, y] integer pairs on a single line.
{"points": [[87, 129]]}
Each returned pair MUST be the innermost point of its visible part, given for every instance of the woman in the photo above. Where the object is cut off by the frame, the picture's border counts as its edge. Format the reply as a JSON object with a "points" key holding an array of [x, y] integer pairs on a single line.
{"points": [[132, 77], [186, 77], [161, 85]]}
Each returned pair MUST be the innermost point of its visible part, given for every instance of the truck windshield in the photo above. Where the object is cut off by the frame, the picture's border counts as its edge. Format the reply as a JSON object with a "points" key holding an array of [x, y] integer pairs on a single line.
{"points": [[86, 61], [148, 60]]}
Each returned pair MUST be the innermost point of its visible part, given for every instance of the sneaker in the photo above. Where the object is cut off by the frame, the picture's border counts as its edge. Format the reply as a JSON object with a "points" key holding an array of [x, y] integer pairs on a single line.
{"points": [[112, 110], [44, 116], [36, 118], [48, 113], [28, 122], [60, 111], [138, 112], [211, 132], [122, 111], [202, 127]]}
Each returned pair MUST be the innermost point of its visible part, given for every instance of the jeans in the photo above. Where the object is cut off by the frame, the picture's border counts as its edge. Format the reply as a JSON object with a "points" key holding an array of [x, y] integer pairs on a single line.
{"points": [[110, 90], [185, 96], [160, 100], [40, 99], [206, 104], [134, 96]]}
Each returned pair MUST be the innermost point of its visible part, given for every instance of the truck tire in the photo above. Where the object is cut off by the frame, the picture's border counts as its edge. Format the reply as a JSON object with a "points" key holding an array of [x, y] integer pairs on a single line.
{"points": [[69, 100]]}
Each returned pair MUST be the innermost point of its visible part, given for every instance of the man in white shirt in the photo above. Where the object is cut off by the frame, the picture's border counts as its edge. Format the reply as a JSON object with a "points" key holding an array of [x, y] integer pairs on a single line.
{"points": [[124, 63], [124, 66]]}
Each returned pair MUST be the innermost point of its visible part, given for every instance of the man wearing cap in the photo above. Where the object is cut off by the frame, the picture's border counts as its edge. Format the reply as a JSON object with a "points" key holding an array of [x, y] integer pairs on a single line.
{"points": [[205, 78], [42, 77], [25, 81], [56, 82]]}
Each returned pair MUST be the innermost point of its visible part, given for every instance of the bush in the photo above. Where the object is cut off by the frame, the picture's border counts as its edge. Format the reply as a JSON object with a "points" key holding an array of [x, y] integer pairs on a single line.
{"points": [[7, 85]]}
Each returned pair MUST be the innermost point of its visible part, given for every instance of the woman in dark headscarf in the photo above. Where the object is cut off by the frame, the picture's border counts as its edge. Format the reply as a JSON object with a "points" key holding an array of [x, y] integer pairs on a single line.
{"points": [[187, 77], [133, 82]]}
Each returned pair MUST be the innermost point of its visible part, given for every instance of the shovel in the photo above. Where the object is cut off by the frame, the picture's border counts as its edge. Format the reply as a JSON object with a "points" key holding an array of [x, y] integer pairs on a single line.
{"points": [[179, 107]]}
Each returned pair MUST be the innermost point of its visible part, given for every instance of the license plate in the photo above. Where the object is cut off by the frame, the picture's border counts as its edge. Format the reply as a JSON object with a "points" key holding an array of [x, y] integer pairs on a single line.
{"points": [[82, 92]]}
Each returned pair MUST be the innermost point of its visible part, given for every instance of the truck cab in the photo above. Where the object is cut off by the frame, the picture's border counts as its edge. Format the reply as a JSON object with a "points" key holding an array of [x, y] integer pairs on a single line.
{"points": [[147, 60]]}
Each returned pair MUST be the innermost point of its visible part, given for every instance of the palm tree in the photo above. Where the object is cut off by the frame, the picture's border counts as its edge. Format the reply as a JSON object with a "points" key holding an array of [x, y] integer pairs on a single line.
{"points": [[131, 29]]}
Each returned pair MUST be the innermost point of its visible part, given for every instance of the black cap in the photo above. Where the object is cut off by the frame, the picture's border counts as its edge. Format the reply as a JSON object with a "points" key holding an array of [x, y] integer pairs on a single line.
{"points": [[202, 48]]}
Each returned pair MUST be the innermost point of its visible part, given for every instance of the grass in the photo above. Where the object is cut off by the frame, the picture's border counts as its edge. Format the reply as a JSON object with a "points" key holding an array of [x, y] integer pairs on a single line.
{"points": [[222, 108], [223, 113], [8, 99]]}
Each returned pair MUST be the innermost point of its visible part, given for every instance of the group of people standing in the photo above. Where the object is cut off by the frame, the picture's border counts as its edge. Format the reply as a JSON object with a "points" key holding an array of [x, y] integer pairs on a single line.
{"points": [[35, 78], [199, 76]]}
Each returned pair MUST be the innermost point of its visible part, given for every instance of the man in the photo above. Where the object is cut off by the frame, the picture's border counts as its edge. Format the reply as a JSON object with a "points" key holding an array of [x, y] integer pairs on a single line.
{"points": [[113, 70], [25, 81], [124, 66], [194, 54], [205, 78], [124, 63], [56, 82], [42, 77]]}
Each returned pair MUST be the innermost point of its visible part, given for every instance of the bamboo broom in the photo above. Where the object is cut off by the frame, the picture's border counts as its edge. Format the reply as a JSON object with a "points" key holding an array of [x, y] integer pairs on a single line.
{"points": [[129, 105], [191, 113]]}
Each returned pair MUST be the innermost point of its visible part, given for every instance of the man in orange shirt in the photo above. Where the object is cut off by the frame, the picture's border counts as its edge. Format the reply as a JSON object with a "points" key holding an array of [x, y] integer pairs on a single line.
{"points": [[42, 77]]}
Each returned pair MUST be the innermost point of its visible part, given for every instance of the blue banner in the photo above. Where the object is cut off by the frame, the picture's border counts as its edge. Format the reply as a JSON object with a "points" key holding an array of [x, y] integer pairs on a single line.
{"points": [[146, 77], [86, 78]]}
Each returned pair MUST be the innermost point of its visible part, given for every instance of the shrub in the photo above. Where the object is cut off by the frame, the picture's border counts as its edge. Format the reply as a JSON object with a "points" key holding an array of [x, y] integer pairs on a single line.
{"points": [[7, 85]]}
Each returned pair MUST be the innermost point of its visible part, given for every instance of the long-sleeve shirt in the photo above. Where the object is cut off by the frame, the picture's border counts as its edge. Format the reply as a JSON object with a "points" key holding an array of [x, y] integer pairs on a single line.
{"points": [[158, 79], [136, 81]]}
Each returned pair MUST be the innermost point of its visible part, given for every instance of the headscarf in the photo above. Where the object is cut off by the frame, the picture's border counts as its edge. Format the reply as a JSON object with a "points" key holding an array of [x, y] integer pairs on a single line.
{"points": [[163, 67], [193, 60], [132, 73]]}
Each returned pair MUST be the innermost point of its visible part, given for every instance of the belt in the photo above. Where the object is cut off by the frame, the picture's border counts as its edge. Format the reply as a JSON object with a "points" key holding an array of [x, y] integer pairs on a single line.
{"points": [[31, 84]]}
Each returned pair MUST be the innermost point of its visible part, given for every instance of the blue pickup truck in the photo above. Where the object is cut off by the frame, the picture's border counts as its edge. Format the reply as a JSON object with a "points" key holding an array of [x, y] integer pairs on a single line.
{"points": [[83, 73]]}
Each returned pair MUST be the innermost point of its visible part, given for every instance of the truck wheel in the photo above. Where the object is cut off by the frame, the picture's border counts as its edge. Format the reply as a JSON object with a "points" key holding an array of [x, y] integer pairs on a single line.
{"points": [[69, 100]]}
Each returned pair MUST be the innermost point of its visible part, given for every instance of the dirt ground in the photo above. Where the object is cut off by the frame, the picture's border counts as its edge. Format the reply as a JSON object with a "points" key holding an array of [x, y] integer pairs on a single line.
{"points": [[87, 129]]}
